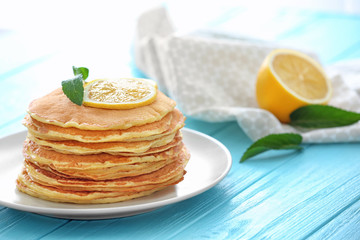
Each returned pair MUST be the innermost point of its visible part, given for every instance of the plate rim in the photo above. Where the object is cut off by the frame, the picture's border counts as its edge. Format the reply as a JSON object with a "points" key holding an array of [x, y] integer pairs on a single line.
{"points": [[63, 212]]}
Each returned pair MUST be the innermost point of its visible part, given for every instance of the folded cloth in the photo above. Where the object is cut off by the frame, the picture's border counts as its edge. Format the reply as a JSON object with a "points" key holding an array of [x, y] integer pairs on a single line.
{"points": [[213, 78]]}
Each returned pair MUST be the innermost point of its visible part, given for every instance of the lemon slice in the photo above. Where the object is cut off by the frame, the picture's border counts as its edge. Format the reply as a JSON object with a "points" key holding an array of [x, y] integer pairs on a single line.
{"points": [[122, 93], [288, 80]]}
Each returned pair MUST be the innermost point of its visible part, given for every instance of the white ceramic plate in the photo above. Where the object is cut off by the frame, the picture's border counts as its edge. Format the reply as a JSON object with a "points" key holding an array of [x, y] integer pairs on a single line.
{"points": [[210, 162]]}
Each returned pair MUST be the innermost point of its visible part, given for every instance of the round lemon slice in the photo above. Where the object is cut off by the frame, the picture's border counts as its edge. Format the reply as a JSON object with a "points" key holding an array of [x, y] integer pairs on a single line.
{"points": [[288, 80], [122, 93]]}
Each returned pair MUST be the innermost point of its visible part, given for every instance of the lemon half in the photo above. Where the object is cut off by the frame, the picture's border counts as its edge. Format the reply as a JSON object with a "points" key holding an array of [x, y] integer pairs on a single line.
{"points": [[121, 93], [288, 80]]}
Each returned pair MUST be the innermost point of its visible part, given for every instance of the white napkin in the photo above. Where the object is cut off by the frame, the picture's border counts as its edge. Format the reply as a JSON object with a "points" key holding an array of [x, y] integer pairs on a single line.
{"points": [[212, 77]]}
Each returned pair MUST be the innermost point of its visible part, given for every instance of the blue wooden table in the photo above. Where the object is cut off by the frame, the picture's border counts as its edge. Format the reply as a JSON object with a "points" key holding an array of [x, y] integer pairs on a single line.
{"points": [[314, 193]]}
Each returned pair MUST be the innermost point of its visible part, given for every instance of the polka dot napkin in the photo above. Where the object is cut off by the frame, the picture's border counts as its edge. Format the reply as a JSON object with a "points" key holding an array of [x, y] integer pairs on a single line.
{"points": [[213, 78]]}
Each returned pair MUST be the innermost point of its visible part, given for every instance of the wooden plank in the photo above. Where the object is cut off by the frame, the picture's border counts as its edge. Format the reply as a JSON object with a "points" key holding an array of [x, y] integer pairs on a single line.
{"points": [[21, 225], [343, 226], [84, 230], [289, 202]]}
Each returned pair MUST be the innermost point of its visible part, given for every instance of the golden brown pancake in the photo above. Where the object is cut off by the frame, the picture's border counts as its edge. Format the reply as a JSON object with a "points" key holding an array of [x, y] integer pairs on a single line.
{"points": [[48, 186], [53, 132], [26, 185], [107, 173], [55, 108], [49, 178], [172, 122], [98, 166], [44, 155], [176, 141], [75, 147]]}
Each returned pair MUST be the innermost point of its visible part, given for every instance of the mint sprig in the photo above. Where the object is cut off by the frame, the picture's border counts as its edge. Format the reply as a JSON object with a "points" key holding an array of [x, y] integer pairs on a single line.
{"points": [[74, 88], [273, 142], [311, 116]]}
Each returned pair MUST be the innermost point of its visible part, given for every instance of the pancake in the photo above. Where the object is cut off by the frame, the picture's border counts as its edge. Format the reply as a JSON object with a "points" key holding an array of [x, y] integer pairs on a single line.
{"points": [[48, 178], [56, 109], [172, 122], [98, 167], [75, 147], [46, 185], [176, 141], [107, 173], [53, 132], [57, 160], [26, 185], [102, 172]]}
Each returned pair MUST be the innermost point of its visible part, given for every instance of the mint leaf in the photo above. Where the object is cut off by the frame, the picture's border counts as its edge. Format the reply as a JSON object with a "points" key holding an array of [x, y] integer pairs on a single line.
{"points": [[273, 142], [74, 89], [82, 71], [322, 116]]}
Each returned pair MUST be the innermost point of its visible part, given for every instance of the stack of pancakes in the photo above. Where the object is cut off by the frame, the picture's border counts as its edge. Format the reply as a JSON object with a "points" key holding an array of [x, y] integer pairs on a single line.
{"points": [[82, 154]]}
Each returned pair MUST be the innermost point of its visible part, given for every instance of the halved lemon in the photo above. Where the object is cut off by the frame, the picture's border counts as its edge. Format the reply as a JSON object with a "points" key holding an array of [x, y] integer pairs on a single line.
{"points": [[288, 80], [122, 93]]}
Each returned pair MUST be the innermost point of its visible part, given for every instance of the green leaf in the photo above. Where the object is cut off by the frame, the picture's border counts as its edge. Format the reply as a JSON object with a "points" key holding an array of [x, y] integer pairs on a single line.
{"points": [[82, 71], [74, 89], [322, 116], [273, 142]]}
